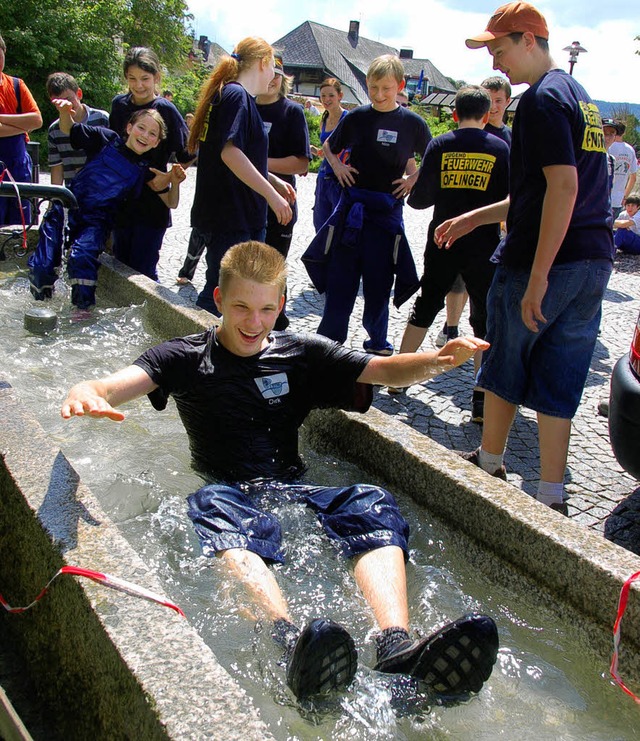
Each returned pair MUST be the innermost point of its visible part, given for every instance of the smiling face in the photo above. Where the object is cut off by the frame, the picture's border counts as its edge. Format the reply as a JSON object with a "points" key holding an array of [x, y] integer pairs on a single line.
{"points": [[330, 98], [142, 84], [249, 311], [499, 103], [143, 134], [383, 91]]}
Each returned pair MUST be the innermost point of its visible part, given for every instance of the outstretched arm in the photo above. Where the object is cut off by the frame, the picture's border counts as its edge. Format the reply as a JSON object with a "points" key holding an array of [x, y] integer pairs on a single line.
{"points": [[406, 369], [98, 398], [452, 229]]}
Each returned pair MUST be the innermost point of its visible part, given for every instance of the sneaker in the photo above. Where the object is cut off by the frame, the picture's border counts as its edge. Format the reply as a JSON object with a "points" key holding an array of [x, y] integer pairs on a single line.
{"points": [[472, 457], [560, 507], [396, 390], [455, 660], [477, 407], [452, 333], [385, 352], [182, 281], [441, 339], [324, 659]]}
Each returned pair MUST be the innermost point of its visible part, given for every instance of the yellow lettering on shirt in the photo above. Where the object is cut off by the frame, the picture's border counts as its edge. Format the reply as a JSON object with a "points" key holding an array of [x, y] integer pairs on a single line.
{"points": [[593, 139], [466, 170]]}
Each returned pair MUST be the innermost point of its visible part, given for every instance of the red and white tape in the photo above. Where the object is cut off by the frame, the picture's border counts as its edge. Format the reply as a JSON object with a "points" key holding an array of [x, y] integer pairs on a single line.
{"points": [[107, 580], [622, 606]]}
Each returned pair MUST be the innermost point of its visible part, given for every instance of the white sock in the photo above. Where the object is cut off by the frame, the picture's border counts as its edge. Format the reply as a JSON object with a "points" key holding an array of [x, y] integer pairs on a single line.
{"points": [[550, 493], [490, 462]]}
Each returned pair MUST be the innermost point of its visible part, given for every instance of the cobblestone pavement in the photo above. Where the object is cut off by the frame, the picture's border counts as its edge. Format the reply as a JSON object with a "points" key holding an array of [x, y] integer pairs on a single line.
{"points": [[440, 408]]}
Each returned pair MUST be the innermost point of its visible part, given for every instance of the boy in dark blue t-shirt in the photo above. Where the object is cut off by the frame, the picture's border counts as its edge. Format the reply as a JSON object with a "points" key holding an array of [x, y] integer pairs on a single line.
{"points": [[461, 170], [243, 391], [364, 237], [556, 258]]}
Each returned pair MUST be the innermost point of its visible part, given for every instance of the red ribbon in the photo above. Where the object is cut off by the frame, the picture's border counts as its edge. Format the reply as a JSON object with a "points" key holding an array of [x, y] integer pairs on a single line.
{"points": [[622, 606], [17, 190], [114, 582]]}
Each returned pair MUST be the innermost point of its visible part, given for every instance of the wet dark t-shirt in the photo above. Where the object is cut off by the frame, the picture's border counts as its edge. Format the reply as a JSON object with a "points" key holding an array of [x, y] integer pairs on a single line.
{"points": [[242, 414], [556, 123], [380, 144], [463, 170]]}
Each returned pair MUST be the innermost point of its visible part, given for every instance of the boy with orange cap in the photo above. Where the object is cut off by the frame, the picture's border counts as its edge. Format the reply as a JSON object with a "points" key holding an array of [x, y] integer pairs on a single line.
{"points": [[556, 258]]}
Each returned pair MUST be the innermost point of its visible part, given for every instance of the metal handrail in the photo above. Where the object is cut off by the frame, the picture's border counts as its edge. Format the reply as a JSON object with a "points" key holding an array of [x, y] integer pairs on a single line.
{"points": [[45, 192]]}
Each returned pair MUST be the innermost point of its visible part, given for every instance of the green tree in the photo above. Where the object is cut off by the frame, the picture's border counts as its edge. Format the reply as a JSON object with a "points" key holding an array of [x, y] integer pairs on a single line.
{"points": [[87, 38], [631, 135]]}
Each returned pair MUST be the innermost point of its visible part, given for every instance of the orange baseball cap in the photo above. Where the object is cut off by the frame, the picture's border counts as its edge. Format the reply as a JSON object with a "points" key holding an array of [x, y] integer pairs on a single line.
{"points": [[511, 18]]}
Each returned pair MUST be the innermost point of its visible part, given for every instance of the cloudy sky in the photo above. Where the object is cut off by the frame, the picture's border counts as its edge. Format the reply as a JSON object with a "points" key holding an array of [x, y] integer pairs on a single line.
{"points": [[436, 29]]}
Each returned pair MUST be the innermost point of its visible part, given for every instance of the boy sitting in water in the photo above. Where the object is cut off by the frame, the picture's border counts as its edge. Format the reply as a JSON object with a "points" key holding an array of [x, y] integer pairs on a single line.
{"points": [[242, 392], [115, 171]]}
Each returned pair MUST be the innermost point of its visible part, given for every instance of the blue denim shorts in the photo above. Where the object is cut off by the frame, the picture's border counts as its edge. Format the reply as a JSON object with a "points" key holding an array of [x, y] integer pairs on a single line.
{"points": [[544, 371], [358, 518]]}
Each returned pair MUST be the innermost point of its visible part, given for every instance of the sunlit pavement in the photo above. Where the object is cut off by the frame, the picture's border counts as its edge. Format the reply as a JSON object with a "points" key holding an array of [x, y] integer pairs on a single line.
{"points": [[441, 407]]}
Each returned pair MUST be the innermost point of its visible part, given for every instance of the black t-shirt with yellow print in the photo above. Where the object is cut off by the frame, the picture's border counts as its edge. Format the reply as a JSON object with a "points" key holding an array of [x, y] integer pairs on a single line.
{"points": [[556, 123]]}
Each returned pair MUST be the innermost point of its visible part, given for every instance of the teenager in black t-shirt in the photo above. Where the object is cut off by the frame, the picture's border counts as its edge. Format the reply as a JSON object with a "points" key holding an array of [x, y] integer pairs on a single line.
{"points": [[364, 237], [289, 154], [461, 170], [233, 185], [545, 303], [243, 391]]}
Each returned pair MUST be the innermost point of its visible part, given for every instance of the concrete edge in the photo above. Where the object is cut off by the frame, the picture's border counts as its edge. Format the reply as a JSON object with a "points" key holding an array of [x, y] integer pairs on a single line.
{"points": [[109, 665]]}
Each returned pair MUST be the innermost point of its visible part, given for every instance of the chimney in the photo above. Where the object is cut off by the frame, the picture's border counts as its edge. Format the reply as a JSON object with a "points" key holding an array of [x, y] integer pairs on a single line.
{"points": [[354, 31], [406, 53]]}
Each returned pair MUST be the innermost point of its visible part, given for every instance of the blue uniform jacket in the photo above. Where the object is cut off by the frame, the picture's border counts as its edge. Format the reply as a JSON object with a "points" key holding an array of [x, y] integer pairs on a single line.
{"points": [[379, 216]]}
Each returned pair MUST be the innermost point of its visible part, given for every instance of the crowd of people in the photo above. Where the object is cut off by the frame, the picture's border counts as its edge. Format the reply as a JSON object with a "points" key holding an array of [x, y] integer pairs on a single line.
{"points": [[522, 221]]}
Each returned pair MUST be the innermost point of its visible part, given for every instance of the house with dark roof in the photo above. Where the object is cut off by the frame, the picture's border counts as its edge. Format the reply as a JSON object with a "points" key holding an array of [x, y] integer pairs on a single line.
{"points": [[313, 52]]}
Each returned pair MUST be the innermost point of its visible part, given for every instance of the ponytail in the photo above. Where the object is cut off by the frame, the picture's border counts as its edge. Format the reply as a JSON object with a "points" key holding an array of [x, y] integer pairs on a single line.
{"points": [[245, 55]]}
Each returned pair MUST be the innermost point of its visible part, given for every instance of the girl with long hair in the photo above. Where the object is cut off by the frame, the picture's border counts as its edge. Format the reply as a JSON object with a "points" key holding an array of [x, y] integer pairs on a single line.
{"points": [[328, 189], [233, 184]]}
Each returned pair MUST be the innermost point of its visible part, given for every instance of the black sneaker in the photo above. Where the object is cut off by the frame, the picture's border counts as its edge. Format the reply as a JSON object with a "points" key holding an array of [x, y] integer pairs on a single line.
{"points": [[560, 507], [472, 457], [324, 659], [456, 660]]}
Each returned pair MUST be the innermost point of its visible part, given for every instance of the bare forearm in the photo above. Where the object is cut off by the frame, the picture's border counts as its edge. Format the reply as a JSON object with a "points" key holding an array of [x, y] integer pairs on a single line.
{"points": [[57, 175], [22, 121], [408, 368], [631, 182], [290, 165]]}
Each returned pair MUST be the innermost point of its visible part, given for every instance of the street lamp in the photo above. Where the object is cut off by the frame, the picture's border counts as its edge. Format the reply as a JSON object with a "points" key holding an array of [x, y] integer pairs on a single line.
{"points": [[573, 50]]}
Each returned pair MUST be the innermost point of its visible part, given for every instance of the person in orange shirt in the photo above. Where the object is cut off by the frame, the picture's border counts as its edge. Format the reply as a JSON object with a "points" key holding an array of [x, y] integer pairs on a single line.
{"points": [[19, 114]]}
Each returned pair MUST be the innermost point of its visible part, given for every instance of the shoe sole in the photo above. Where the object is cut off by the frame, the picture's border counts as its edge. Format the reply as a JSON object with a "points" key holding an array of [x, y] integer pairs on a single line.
{"points": [[324, 660], [456, 660]]}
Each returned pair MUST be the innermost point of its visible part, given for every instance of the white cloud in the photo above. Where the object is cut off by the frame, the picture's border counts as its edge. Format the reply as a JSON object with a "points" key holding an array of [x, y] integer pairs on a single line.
{"points": [[436, 32]]}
